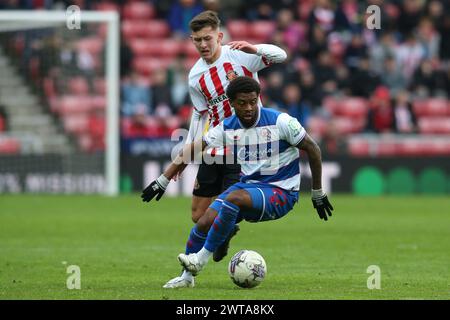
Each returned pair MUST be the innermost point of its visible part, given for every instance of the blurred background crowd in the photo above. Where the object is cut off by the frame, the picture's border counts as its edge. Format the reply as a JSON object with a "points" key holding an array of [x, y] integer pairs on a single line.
{"points": [[341, 79]]}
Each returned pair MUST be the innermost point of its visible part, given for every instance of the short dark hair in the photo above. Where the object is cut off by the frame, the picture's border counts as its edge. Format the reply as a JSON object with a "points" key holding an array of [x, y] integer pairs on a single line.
{"points": [[206, 18], [242, 84]]}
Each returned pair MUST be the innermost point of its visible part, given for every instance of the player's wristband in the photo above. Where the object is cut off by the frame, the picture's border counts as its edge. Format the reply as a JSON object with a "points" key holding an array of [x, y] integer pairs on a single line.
{"points": [[318, 193], [163, 181]]}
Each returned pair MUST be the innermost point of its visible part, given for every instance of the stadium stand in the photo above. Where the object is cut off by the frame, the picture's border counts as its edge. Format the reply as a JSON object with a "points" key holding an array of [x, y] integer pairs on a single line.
{"points": [[338, 100]]}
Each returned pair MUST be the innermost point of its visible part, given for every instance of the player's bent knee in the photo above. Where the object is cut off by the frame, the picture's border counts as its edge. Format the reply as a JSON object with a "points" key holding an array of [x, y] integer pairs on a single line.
{"points": [[237, 198]]}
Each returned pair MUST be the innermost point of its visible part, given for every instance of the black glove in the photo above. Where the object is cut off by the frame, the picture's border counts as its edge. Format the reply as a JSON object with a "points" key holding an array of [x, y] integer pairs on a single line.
{"points": [[156, 188], [322, 205]]}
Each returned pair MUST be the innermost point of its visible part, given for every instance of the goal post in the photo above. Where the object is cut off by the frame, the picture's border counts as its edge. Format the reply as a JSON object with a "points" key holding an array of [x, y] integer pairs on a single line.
{"points": [[27, 21]]}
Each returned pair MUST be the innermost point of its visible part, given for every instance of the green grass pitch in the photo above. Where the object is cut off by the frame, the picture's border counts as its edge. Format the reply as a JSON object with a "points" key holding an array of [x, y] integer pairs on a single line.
{"points": [[127, 249]]}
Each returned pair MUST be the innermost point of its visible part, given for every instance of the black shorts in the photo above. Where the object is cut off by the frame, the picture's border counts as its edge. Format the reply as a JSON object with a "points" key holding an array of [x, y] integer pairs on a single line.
{"points": [[213, 179]]}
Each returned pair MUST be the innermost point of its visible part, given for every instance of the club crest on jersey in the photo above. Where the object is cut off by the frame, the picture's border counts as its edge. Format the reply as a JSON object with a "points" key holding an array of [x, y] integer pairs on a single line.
{"points": [[266, 134], [231, 75]]}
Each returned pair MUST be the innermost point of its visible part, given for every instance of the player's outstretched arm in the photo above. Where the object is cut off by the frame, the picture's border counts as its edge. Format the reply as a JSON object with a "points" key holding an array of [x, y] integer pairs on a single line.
{"points": [[159, 186], [319, 197], [271, 52]]}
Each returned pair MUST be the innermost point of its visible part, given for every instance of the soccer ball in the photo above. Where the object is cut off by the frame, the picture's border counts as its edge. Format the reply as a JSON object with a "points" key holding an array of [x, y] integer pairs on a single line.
{"points": [[247, 268]]}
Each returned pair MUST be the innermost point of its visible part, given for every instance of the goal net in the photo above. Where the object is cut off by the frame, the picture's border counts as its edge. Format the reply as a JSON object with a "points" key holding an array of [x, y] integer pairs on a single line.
{"points": [[59, 102]]}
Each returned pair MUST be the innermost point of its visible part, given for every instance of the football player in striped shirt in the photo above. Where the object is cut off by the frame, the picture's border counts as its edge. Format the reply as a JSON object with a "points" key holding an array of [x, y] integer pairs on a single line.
{"points": [[266, 143], [208, 80]]}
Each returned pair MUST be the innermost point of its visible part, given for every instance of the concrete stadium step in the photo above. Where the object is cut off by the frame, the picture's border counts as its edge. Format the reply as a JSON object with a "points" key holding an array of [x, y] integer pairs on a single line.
{"points": [[27, 100], [31, 120]]}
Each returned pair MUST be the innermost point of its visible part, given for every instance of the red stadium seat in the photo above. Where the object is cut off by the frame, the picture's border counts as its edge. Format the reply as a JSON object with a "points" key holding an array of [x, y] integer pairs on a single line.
{"points": [[359, 147], [100, 86], [386, 148], [352, 107], [431, 107], [145, 29], [304, 8], [107, 6], [411, 147], [2, 124], [78, 86], [92, 44], [9, 146], [146, 66], [262, 30], [49, 87], [347, 125], [151, 48], [238, 29], [77, 123], [317, 126], [138, 11], [436, 125], [190, 62], [72, 104], [190, 50]]}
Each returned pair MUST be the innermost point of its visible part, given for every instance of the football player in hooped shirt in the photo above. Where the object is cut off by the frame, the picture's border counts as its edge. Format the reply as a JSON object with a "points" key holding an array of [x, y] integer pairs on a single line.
{"points": [[208, 81], [266, 143]]}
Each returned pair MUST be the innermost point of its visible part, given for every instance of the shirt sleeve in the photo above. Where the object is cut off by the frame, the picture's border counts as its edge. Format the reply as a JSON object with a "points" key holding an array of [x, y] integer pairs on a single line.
{"points": [[266, 55], [198, 121], [197, 98], [215, 137], [290, 129]]}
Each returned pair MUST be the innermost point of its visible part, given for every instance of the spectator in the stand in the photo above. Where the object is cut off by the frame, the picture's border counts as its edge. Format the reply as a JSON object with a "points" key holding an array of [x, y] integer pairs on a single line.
{"points": [[427, 80], [404, 119], [274, 88], [317, 42], [136, 98], [364, 80], [409, 55], [410, 13], [86, 66], [126, 58], [216, 6], [332, 141], [311, 92], [441, 21], [380, 118], [291, 33], [9, 4], [347, 15], [67, 58], [258, 10], [161, 93], [381, 50], [4, 119], [392, 77], [325, 71], [178, 82], [429, 38], [343, 79], [355, 51], [322, 15], [293, 104], [181, 12]]}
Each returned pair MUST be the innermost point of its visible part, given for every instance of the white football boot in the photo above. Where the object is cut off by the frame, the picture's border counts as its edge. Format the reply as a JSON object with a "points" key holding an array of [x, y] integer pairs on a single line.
{"points": [[179, 282], [191, 263]]}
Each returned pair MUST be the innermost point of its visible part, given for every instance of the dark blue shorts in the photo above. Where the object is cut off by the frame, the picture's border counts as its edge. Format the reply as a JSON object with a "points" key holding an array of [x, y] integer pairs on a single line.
{"points": [[268, 201]]}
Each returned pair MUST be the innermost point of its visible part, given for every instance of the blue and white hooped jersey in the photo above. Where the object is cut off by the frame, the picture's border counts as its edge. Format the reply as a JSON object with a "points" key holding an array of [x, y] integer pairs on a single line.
{"points": [[266, 151]]}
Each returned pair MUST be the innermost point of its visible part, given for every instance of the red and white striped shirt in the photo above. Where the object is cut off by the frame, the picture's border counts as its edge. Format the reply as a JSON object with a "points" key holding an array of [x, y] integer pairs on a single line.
{"points": [[208, 82]]}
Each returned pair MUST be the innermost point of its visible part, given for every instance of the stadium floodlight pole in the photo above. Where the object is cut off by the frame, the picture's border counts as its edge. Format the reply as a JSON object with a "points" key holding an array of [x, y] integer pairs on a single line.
{"points": [[112, 75]]}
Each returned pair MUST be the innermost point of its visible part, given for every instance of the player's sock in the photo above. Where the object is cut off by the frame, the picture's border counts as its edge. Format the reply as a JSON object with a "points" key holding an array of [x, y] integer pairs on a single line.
{"points": [[196, 241], [222, 226], [203, 255], [187, 275]]}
